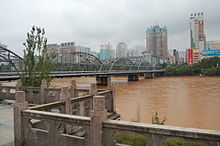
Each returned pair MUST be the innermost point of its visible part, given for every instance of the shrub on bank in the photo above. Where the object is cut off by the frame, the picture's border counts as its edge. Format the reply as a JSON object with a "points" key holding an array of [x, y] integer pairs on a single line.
{"points": [[207, 66], [130, 139]]}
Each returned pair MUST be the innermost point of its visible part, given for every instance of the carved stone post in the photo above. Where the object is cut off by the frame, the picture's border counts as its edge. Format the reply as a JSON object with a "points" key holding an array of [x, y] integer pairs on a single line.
{"points": [[65, 96], [113, 104], [73, 86], [42, 92], [98, 115], [7, 93], [18, 85], [93, 89], [20, 104], [1, 93]]}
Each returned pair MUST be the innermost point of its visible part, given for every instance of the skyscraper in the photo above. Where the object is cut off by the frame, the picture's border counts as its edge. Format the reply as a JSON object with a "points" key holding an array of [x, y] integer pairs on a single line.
{"points": [[197, 36], [121, 50], [106, 51], [156, 41]]}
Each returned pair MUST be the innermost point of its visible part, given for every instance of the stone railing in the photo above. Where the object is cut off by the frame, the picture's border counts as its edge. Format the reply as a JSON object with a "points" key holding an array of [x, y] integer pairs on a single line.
{"points": [[156, 134], [80, 105], [35, 127], [7, 92], [36, 95], [40, 95]]}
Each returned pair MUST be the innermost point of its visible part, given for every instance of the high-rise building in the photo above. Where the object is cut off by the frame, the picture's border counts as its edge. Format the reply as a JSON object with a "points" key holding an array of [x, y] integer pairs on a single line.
{"points": [[135, 52], [189, 56], [63, 50], [156, 41], [106, 51], [210, 45], [84, 49], [182, 57], [121, 50], [212, 49], [197, 35]]}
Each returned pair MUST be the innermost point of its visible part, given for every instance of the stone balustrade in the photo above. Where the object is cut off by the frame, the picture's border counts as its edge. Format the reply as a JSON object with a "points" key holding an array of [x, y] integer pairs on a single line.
{"points": [[40, 95], [156, 134], [35, 127]]}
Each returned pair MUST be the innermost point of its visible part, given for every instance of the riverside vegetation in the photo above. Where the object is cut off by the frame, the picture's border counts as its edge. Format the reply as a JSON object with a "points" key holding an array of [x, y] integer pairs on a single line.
{"points": [[38, 63], [207, 66]]}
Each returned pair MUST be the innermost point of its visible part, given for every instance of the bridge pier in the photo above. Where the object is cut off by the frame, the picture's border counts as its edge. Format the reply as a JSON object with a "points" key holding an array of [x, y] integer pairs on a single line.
{"points": [[133, 77], [148, 75], [103, 80]]}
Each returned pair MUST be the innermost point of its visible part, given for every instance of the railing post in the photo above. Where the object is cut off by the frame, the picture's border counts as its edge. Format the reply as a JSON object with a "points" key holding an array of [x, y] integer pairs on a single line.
{"points": [[20, 104], [7, 93], [93, 89], [42, 91], [65, 96], [73, 86], [1, 93], [109, 82], [113, 104], [18, 85], [98, 115]]}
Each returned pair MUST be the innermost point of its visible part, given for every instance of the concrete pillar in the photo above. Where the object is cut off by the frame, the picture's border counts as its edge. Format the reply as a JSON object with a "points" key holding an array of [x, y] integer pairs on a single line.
{"points": [[73, 86], [133, 77], [42, 92], [148, 75], [98, 115], [153, 75], [20, 104], [103, 80]]}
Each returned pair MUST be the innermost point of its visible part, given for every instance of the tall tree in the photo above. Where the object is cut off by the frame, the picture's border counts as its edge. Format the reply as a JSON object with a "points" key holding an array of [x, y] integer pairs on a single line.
{"points": [[38, 63]]}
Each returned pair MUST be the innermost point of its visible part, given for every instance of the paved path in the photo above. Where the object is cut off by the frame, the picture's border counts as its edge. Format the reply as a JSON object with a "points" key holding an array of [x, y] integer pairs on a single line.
{"points": [[6, 125]]}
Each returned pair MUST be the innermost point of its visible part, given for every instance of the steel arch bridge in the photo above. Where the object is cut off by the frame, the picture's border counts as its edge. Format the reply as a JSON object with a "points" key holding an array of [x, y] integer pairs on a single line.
{"points": [[81, 61], [76, 61], [10, 59]]}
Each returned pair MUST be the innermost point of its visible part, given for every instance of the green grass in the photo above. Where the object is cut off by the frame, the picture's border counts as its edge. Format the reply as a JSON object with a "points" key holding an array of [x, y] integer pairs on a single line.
{"points": [[130, 139], [176, 142]]}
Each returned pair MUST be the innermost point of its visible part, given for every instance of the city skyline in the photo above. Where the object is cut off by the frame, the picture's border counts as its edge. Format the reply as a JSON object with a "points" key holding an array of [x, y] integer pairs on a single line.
{"points": [[91, 23]]}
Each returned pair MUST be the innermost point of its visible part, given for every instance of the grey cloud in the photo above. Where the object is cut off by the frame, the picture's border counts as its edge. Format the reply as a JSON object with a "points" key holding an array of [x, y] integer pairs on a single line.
{"points": [[94, 22]]}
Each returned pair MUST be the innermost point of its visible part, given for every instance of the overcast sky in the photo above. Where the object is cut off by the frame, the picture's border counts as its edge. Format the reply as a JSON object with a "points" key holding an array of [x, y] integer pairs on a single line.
{"points": [[95, 22]]}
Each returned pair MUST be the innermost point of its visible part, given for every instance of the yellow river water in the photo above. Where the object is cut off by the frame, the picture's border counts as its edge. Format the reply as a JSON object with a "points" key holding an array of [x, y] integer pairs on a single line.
{"points": [[184, 101]]}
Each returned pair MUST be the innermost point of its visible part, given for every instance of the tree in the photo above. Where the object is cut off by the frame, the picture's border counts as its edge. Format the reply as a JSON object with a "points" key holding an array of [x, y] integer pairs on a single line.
{"points": [[38, 63]]}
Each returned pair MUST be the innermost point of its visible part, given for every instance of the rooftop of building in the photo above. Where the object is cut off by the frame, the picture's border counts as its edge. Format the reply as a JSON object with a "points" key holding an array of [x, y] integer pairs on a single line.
{"points": [[157, 28]]}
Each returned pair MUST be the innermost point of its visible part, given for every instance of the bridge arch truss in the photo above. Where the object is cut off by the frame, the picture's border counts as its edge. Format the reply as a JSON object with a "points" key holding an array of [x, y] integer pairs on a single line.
{"points": [[10, 59]]}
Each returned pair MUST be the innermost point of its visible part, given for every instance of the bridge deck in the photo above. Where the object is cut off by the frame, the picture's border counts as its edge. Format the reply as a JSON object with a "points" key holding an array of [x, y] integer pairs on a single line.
{"points": [[15, 76]]}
